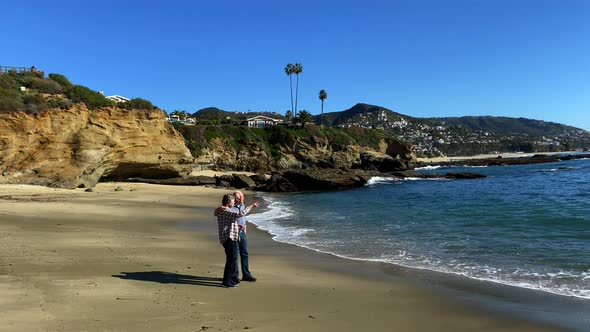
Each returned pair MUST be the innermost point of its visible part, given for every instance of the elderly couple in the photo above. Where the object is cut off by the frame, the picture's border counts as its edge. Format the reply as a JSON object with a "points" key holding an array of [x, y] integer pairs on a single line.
{"points": [[232, 235]]}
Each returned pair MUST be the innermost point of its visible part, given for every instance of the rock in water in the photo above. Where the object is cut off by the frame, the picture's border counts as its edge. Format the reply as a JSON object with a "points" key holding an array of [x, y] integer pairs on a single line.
{"points": [[242, 181]]}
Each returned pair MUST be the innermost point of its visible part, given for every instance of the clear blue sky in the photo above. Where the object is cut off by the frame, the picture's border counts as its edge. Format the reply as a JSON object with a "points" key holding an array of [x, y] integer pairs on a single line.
{"points": [[516, 58]]}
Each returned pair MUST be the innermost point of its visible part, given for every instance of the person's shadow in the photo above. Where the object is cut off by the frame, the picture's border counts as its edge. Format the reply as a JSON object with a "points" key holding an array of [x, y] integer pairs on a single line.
{"points": [[170, 278]]}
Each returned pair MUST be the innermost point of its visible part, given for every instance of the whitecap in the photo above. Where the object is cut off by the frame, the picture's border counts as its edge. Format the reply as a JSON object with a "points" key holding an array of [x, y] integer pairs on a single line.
{"points": [[381, 180], [428, 167], [410, 178]]}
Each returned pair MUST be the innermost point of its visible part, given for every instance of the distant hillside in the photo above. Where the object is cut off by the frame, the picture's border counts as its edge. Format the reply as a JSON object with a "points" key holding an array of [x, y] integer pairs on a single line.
{"points": [[335, 119], [509, 126], [210, 113], [463, 135]]}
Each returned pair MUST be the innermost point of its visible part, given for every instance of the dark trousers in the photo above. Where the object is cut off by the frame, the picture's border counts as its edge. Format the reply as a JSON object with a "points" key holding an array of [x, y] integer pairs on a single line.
{"points": [[243, 246], [230, 272]]}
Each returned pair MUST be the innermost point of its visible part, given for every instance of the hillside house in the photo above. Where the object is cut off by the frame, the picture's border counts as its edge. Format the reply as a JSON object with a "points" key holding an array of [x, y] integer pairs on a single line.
{"points": [[174, 118], [118, 99], [261, 121]]}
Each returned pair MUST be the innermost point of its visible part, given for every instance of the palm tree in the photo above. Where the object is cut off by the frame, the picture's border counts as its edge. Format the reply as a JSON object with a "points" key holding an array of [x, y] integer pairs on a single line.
{"points": [[304, 117], [289, 70], [297, 69], [323, 95], [289, 116], [180, 113]]}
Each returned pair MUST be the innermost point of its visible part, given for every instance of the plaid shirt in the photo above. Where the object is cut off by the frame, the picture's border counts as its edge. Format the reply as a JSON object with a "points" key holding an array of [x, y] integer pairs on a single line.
{"points": [[227, 225]]}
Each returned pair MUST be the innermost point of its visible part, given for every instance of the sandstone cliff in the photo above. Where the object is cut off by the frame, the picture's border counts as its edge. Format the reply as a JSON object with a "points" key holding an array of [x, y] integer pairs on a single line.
{"points": [[77, 147]]}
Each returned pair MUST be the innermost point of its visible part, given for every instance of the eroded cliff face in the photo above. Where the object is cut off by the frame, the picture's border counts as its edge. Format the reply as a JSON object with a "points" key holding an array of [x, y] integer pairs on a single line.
{"points": [[301, 153], [77, 147]]}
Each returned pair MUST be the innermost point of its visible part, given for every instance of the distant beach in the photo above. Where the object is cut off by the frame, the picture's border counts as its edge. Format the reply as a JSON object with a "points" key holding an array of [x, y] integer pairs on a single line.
{"points": [[146, 257], [490, 156]]}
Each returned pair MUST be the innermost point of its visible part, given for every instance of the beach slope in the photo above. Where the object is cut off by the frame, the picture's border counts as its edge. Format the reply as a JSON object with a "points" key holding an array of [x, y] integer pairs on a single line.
{"points": [[145, 258]]}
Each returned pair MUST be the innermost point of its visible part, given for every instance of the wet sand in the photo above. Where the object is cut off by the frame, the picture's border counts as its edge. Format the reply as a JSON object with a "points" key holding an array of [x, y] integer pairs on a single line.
{"points": [[146, 258]]}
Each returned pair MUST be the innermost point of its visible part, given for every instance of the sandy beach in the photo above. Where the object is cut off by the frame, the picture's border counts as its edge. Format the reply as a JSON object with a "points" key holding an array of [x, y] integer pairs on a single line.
{"points": [[146, 259], [488, 156]]}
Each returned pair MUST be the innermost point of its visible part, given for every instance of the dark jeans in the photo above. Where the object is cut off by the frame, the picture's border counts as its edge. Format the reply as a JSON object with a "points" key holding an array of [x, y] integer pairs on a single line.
{"points": [[230, 272], [243, 246]]}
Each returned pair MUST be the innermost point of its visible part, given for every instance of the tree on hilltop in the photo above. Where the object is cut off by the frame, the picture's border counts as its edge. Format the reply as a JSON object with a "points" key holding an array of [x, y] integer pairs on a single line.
{"points": [[289, 116], [323, 95], [304, 117], [181, 114]]}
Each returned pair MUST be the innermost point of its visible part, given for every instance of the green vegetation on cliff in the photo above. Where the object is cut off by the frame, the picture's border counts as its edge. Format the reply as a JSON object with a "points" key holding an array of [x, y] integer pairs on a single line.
{"points": [[55, 91], [275, 138]]}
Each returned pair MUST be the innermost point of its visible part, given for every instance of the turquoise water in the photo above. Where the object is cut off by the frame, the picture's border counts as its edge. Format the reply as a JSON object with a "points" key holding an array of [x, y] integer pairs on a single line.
{"points": [[526, 226]]}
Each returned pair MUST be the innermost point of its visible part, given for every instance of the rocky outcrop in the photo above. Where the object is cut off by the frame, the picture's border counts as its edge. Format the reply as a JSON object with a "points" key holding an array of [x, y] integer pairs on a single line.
{"points": [[382, 162], [312, 151], [317, 179], [326, 179], [77, 147], [277, 183]]}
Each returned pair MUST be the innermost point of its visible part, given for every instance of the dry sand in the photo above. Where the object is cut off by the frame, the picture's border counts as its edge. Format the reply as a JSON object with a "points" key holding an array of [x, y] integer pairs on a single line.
{"points": [[127, 261], [487, 156]]}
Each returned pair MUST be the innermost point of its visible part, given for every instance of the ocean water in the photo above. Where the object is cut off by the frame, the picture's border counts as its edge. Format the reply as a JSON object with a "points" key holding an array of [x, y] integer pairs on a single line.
{"points": [[526, 226]]}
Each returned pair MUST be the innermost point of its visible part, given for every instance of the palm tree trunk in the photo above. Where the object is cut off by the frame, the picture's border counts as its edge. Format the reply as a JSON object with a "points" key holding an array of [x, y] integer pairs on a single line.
{"points": [[322, 118], [291, 89], [296, 93]]}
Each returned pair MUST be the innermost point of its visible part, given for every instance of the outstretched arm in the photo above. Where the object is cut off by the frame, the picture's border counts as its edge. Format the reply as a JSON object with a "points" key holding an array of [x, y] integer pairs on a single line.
{"points": [[227, 213]]}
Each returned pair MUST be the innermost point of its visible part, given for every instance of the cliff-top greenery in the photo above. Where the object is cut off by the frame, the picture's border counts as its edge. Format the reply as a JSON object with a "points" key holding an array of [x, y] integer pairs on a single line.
{"points": [[273, 138], [32, 92]]}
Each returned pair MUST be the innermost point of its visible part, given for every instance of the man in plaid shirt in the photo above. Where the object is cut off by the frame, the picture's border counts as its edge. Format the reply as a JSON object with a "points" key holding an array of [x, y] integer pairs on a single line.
{"points": [[229, 237]]}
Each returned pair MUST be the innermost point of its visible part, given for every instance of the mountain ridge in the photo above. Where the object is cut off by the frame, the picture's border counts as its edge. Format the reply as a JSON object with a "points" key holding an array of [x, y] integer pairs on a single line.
{"points": [[467, 120], [467, 135]]}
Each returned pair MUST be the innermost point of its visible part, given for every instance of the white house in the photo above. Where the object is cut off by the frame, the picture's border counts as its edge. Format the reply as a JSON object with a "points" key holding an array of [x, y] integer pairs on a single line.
{"points": [[118, 99], [261, 121]]}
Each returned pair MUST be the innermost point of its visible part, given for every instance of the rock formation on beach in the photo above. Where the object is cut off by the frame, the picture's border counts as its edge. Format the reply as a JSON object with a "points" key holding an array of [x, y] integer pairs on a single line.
{"points": [[280, 149], [77, 147]]}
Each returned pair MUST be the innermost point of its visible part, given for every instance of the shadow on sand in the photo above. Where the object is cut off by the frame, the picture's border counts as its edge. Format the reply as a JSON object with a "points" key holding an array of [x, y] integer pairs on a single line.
{"points": [[170, 278]]}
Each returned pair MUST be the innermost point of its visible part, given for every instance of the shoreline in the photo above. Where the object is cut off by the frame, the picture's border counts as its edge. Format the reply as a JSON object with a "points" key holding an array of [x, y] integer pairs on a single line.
{"points": [[106, 260], [490, 156], [502, 299]]}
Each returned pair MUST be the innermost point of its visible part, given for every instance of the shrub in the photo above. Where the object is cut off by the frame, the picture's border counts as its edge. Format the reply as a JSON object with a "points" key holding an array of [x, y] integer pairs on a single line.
{"points": [[194, 138], [10, 101], [9, 83], [34, 103], [10, 97], [91, 98], [337, 137], [63, 104], [137, 104], [43, 85], [62, 81]]}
